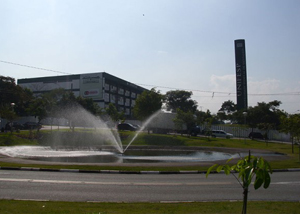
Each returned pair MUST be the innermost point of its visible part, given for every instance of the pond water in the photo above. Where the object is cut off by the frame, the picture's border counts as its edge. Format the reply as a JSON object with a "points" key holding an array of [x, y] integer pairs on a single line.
{"points": [[130, 156]]}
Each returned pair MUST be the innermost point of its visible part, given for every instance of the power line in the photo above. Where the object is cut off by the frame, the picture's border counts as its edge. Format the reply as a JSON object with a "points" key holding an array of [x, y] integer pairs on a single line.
{"points": [[28, 66], [172, 88], [222, 92]]}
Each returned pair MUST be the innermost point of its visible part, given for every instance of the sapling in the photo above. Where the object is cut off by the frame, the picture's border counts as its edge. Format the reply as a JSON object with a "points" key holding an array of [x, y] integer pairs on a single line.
{"points": [[247, 168]]}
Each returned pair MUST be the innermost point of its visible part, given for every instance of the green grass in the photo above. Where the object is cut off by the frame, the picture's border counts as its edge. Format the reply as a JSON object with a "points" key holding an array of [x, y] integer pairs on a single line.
{"points": [[16, 207], [144, 139], [20, 138]]}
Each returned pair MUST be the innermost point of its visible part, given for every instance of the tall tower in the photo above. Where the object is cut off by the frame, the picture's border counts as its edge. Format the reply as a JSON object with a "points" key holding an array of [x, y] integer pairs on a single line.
{"points": [[241, 74]]}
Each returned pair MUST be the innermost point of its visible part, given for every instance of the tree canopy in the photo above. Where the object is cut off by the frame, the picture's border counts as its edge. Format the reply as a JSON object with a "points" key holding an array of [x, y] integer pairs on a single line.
{"points": [[180, 99], [184, 118], [14, 100], [147, 104], [113, 113], [264, 115], [291, 124], [228, 107]]}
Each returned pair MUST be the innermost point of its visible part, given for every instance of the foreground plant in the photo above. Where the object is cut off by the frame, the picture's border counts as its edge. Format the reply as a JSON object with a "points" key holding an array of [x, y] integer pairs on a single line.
{"points": [[247, 169]]}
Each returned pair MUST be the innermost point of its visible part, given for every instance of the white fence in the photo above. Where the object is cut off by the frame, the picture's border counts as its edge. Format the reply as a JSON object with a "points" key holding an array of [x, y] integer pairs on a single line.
{"points": [[238, 132], [244, 132]]}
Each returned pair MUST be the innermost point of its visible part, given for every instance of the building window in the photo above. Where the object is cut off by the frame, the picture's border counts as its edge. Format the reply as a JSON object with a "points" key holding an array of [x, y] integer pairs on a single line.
{"points": [[113, 88], [121, 101], [106, 87], [112, 98], [127, 111], [133, 95], [127, 102], [121, 91], [127, 93], [132, 103], [106, 97]]}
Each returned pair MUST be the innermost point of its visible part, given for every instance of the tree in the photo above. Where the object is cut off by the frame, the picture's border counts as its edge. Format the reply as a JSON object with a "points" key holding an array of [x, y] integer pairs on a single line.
{"points": [[48, 104], [202, 117], [291, 124], [247, 168], [147, 104], [113, 113], [13, 99], [180, 99], [60, 103], [38, 108], [221, 115], [8, 91], [226, 110], [184, 118], [9, 114], [89, 105], [264, 113], [228, 107]]}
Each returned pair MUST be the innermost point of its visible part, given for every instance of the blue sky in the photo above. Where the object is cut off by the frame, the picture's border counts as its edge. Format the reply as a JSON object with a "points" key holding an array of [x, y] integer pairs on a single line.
{"points": [[167, 44]]}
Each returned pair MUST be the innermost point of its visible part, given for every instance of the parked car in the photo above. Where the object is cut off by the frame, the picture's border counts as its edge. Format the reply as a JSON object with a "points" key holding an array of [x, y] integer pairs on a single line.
{"points": [[256, 135], [194, 131], [127, 127], [32, 125], [14, 126], [221, 133]]}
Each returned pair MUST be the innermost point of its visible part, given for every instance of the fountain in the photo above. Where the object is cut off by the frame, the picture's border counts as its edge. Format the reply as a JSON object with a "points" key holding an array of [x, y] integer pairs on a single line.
{"points": [[145, 124], [99, 142], [94, 131]]}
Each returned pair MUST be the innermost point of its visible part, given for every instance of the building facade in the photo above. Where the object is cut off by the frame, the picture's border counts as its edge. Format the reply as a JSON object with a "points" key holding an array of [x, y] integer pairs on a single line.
{"points": [[102, 87]]}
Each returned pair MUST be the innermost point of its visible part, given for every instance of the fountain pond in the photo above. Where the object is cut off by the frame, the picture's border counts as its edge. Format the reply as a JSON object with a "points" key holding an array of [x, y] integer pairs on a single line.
{"points": [[89, 155], [100, 143]]}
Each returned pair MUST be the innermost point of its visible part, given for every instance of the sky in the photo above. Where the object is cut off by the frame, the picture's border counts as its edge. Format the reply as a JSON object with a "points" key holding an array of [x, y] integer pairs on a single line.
{"points": [[161, 44]]}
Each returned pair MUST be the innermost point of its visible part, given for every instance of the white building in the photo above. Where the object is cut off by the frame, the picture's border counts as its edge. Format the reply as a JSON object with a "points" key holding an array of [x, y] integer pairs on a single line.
{"points": [[102, 87]]}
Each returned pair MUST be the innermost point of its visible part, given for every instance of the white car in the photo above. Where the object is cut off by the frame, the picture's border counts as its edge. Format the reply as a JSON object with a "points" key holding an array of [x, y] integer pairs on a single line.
{"points": [[221, 133]]}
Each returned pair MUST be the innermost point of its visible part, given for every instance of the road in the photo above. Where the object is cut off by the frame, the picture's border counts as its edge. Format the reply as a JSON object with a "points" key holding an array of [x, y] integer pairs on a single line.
{"points": [[70, 186]]}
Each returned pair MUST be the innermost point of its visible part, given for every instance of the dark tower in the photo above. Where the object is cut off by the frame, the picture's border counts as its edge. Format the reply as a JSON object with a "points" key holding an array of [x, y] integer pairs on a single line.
{"points": [[241, 74]]}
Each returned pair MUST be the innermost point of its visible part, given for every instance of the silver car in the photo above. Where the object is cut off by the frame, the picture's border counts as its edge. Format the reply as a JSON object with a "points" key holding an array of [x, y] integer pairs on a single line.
{"points": [[221, 133]]}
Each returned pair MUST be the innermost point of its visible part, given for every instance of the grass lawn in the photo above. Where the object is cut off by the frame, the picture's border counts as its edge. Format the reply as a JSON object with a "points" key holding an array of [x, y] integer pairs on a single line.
{"points": [[17, 207]]}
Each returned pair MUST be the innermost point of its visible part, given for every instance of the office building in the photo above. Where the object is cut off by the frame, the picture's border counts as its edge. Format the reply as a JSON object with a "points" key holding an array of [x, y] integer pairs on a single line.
{"points": [[102, 87]]}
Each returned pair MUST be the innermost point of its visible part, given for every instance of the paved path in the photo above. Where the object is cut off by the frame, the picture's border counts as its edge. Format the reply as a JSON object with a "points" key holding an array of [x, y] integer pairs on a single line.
{"points": [[57, 186]]}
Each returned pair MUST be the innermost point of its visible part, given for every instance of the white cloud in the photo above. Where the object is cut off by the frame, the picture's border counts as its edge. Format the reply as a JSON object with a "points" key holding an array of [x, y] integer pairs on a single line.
{"points": [[222, 88], [268, 86], [225, 83]]}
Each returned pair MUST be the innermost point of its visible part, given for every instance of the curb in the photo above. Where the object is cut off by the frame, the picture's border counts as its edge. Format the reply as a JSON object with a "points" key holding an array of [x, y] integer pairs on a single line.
{"points": [[126, 172]]}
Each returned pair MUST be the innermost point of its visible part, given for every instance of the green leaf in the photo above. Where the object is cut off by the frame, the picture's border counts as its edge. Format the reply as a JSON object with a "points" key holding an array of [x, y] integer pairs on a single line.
{"points": [[247, 168], [255, 163], [219, 168], [268, 166], [258, 182], [260, 173], [260, 163], [267, 180], [248, 176], [211, 168], [227, 169], [228, 160], [241, 173]]}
